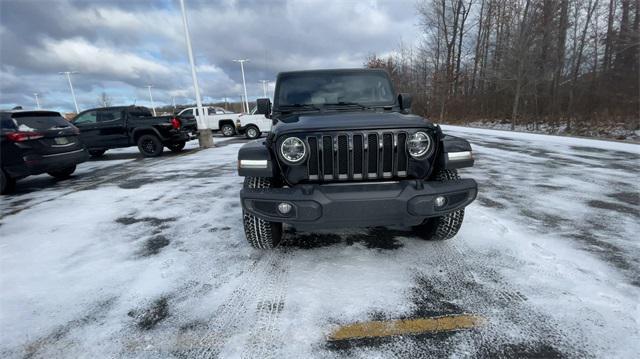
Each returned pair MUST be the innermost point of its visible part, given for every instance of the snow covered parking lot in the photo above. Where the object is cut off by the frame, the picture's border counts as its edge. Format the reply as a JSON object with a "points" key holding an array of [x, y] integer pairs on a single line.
{"points": [[142, 257]]}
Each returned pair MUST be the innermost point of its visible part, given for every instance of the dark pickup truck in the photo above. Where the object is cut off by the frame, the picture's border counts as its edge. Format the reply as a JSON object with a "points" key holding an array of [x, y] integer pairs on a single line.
{"points": [[105, 128]]}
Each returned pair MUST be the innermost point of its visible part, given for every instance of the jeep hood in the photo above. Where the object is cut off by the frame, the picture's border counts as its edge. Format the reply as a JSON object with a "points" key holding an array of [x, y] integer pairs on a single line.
{"points": [[346, 121]]}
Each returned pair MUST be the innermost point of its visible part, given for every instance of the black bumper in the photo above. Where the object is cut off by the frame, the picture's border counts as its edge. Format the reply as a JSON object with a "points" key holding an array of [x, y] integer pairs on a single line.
{"points": [[36, 164], [404, 203]]}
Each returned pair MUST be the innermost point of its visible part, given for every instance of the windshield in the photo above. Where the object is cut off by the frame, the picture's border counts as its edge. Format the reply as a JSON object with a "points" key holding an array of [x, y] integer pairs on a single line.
{"points": [[321, 88], [31, 121]]}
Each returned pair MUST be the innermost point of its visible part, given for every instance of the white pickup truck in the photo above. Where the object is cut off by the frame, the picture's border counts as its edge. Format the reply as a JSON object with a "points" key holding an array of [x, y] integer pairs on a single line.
{"points": [[231, 124]]}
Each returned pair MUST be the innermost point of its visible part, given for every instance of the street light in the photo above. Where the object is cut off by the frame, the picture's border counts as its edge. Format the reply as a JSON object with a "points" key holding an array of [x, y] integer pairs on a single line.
{"points": [[204, 137], [73, 94], [37, 101], [265, 83], [153, 107], [244, 84]]}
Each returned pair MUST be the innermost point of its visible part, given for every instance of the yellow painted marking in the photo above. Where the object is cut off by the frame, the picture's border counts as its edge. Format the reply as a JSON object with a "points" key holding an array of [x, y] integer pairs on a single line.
{"points": [[407, 326]]}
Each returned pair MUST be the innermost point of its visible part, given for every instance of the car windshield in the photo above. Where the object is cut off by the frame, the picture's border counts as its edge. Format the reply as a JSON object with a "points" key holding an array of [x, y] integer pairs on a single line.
{"points": [[31, 121], [321, 88]]}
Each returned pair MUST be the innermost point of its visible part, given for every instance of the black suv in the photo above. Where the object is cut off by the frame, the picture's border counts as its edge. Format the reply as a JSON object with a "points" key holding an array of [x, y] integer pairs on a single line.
{"points": [[35, 142], [345, 152], [105, 128]]}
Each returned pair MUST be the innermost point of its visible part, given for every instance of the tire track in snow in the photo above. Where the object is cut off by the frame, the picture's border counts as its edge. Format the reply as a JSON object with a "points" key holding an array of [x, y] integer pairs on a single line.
{"points": [[265, 339], [255, 303]]}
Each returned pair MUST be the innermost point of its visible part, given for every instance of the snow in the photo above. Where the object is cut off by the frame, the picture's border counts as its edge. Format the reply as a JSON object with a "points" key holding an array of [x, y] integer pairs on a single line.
{"points": [[147, 258], [25, 128]]}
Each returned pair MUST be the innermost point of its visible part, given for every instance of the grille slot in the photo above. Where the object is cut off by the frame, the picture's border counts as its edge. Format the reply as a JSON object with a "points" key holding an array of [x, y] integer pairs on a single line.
{"points": [[327, 157], [313, 158], [343, 157], [357, 156]]}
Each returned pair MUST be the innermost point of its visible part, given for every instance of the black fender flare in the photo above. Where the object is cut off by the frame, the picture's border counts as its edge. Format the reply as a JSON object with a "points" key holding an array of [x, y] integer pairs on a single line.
{"points": [[138, 130], [460, 150], [255, 160]]}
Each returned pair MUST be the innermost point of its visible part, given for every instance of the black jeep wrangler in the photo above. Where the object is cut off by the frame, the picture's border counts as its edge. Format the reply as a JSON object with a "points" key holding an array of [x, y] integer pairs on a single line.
{"points": [[344, 151]]}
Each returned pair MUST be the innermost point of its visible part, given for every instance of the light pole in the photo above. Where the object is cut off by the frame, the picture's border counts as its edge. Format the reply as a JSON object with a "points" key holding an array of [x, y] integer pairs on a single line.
{"points": [[265, 83], [173, 101], [244, 84], [153, 106], [37, 101], [73, 94], [205, 138]]}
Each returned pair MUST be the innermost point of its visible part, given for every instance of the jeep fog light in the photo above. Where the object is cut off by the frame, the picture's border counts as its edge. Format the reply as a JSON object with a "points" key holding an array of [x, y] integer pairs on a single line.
{"points": [[293, 149], [440, 201], [284, 207], [419, 144]]}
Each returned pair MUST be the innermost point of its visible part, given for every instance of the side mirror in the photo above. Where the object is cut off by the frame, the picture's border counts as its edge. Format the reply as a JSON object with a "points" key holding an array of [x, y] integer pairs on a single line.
{"points": [[264, 107], [404, 100]]}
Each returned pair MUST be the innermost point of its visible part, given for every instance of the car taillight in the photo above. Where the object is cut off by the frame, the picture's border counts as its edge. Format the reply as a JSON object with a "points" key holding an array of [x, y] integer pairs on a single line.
{"points": [[22, 136], [176, 123]]}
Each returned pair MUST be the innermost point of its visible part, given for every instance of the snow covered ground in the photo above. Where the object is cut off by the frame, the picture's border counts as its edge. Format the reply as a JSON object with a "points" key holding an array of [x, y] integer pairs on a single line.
{"points": [[138, 257]]}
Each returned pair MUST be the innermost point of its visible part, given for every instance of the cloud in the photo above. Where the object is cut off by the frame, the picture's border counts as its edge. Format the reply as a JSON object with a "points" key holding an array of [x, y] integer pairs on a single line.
{"points": [[121, 46]]}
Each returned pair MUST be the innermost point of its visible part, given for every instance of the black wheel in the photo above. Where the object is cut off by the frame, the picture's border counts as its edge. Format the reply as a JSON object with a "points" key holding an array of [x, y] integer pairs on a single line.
{"points": [[7, 184], [252, 132], [97, 153], [150, 145], [228, 130], [443, 227], [260, 234], [63, 172], [176, 146]]}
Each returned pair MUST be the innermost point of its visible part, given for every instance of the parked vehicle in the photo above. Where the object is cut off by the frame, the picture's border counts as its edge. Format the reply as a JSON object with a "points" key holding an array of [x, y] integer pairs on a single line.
{"points": [[105, 128], [252, 125], [231, 124], [35, 142], [215, 118], [346, 152]]}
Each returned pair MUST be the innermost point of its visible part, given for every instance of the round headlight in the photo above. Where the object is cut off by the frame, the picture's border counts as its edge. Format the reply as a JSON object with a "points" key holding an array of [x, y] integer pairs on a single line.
{"points": [[293, 149], [419, 144]]}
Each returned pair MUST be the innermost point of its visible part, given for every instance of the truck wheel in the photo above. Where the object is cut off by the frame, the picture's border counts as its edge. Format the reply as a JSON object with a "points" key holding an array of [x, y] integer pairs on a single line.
{"points": [[97, 153], [443, 227], [150, 145], [228, 130], [7, 184], [260, 234], [176, 146], [63, 173], [252, 132]]}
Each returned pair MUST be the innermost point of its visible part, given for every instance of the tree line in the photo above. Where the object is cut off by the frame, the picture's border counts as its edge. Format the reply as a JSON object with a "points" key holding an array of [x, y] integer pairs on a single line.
{"points": [[565, 63]]}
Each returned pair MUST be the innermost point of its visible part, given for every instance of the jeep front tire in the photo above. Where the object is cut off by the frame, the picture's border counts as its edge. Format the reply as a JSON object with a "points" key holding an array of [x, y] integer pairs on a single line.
{"points": [[260, 234], [446, 226]]}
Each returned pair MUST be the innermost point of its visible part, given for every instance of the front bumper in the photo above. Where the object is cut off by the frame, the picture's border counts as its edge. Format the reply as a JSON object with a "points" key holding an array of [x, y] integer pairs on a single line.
{"points": [[367, 204]]}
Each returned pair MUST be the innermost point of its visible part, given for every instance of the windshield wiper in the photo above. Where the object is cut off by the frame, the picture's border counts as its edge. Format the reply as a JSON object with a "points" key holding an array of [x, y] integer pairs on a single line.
{"points": [[299, 106], [351, 104]]}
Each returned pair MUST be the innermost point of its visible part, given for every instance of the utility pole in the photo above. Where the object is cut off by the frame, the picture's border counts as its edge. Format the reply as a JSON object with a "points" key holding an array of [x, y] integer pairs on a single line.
{"points": [[37, 101], [73, 94], [244, 83], [173, 101], [153, 106], [205, 138], [265, 83]]}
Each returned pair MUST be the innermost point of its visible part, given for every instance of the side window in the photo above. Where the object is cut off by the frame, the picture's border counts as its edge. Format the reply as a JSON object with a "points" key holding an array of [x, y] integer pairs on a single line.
{"points": [[212, 111], [109, 115], [87, 117], [188, 112], [7, 124]]}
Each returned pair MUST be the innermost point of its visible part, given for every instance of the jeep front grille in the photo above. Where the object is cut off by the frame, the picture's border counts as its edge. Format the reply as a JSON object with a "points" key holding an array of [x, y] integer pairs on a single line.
{"points": [[357, 156]]}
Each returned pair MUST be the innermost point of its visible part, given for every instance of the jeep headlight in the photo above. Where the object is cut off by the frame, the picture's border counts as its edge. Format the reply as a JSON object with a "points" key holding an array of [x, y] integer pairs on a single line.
{"points": [[418, 144], [293, 149]]}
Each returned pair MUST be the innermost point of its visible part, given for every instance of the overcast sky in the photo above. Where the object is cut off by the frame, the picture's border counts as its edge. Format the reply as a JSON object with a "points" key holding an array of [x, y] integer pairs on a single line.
{"points": [[119, 47]]}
